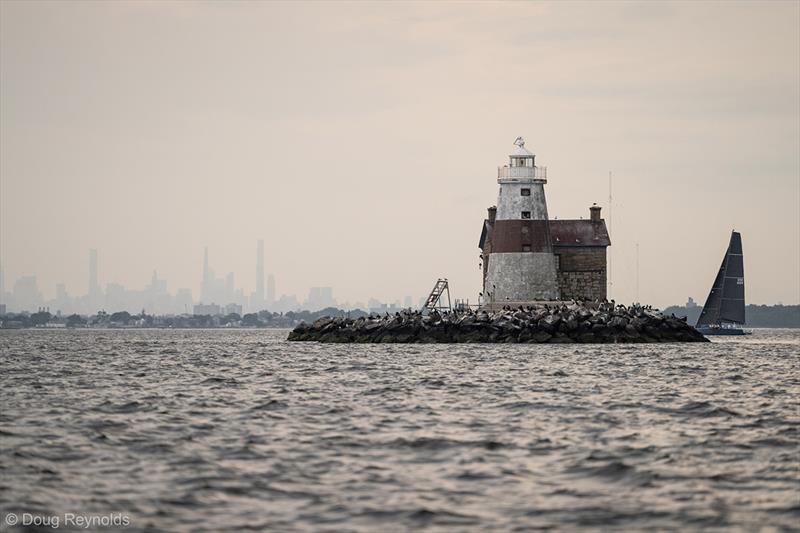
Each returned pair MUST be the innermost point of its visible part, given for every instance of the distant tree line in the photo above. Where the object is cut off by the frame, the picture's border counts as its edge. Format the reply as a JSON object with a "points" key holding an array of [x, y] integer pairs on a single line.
{"points": [[757, 316], [124, 319]]}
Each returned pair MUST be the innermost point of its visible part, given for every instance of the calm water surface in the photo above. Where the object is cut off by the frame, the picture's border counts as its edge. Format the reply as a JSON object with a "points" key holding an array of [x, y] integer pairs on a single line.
{"points": [[236, 430]]}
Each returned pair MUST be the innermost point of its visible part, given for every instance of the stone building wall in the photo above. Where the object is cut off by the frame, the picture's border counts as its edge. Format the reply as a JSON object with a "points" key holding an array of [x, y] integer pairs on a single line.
{"points": [[581, 272], [521, 277]]}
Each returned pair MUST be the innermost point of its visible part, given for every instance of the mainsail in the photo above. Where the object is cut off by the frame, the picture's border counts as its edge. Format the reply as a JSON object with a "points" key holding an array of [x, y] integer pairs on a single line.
{"points": [[725, 302]]}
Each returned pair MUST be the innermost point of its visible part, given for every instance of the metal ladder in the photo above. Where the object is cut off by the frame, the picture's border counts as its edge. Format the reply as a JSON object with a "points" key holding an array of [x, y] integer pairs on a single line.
{"points": [[436, 295]]}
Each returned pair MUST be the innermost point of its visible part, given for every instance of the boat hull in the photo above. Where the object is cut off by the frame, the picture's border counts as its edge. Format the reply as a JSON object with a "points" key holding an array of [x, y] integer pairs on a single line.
{"points": [[720, 331]]}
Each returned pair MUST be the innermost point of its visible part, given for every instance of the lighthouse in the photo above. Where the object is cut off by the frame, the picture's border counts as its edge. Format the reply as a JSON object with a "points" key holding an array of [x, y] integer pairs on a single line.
{"points": [[525, 256], [518, 262]]}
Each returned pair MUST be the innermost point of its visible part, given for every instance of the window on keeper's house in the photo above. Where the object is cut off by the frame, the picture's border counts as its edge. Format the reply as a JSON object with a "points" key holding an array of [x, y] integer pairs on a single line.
{"points": [[558, 262], [525, 192], [526, 247], [526, 214]]}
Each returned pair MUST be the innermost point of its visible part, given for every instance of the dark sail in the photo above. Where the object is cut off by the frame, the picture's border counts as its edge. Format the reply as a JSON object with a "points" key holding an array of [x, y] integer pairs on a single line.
{"points": [[710, 313], [725, 302], [732, 306]]}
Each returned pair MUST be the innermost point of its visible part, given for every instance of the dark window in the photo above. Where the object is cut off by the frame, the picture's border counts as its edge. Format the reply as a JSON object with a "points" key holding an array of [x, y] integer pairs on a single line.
{"points": [[526, 247], [525, 192], [526, 214]]}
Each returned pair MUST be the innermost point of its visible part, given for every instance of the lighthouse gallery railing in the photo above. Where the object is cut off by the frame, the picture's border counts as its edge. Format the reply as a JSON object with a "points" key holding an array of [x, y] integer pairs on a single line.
{"points": [[522, 172]]}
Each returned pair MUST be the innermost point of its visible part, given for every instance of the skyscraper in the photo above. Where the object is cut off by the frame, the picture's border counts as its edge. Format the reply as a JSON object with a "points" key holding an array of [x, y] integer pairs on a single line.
{"points": [[204, 285], [320, 298], [26, 294], [260, 271]]}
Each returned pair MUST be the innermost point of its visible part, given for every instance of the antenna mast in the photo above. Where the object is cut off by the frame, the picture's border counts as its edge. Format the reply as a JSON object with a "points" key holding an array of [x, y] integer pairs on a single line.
{"points": [[610, 251], [637, 272]]}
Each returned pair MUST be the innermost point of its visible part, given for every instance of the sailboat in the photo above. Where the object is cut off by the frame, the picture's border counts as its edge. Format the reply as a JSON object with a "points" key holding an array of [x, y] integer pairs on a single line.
{"points": [[723, 312]]}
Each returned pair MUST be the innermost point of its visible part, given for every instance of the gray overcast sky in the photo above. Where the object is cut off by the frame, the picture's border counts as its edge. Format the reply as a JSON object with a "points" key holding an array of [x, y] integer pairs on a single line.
{"points": [[361, 140]]}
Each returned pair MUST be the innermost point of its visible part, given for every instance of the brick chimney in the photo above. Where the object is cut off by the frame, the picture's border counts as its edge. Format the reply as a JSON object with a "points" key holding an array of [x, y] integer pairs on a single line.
{"points": [[594, 213], [492, 214]]}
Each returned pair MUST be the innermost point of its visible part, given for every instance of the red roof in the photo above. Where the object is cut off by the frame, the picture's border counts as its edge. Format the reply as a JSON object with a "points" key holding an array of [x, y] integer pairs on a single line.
{"points": [[579, 233]]}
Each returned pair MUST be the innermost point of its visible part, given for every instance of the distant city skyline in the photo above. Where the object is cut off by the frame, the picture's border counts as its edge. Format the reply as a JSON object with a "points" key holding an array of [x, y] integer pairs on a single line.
{"points": [[216, 294]]}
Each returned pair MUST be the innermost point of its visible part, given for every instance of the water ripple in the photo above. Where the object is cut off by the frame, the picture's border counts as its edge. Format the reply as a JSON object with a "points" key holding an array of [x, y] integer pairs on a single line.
{"points": [[241, 430]]}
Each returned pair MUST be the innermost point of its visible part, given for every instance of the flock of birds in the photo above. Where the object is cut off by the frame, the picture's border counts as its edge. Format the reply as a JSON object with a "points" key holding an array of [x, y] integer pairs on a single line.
{"points": [[604, 306]]}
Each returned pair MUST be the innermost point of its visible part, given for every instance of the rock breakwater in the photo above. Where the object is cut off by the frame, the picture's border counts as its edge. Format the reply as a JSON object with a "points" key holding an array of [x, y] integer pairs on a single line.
{"points": [[562, 323]]}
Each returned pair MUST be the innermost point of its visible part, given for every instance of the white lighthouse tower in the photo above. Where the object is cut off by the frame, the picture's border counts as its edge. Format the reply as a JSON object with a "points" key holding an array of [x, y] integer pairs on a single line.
{"points": [[521, 266]]}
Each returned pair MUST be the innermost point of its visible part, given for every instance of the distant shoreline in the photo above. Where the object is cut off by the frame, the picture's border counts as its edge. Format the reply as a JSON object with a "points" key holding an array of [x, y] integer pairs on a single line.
{"points": [[756, 316]]}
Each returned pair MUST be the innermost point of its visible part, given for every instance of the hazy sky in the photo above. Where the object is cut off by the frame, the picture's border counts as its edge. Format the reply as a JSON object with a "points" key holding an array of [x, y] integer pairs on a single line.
{"points": [[361, 140]]}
